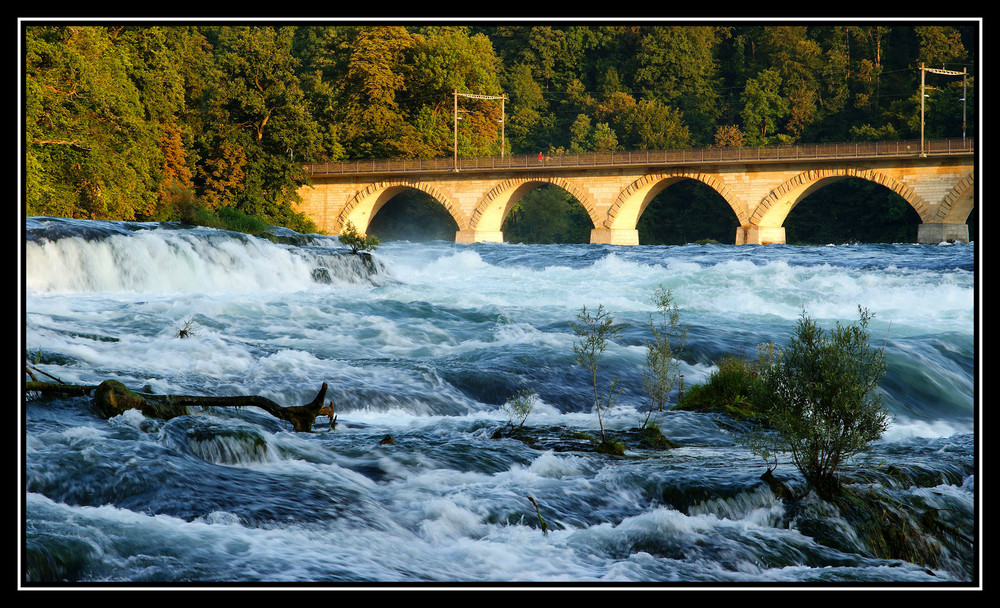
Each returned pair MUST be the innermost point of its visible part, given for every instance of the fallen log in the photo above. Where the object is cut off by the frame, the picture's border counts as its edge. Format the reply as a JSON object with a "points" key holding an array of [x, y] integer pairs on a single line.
{"points": [[113, 398]]}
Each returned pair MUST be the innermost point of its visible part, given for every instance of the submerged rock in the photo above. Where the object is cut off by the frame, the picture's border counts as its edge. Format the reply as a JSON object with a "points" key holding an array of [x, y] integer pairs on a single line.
{"points": [[561, 439]]}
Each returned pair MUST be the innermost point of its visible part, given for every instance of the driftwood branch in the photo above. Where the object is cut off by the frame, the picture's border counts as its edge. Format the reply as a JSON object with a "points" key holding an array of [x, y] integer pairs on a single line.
{"points": [[113, 398], [31, 370]]}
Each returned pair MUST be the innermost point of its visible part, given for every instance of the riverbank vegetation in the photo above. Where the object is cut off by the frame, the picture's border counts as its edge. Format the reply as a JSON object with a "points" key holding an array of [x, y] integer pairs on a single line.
{"points": [[199, 122]]}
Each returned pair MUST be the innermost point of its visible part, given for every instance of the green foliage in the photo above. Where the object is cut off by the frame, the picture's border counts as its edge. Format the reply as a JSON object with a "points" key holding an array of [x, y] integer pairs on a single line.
{"points": [[661, 373], [678, 70], [820, 395], [593, 333], [233, 219], [225, 218], [729, 389], [519, 406], [610, 446], [271, 131], [651, 436], [653, 125], [91, 151], [115, 115], [357, 241], [763, 107]]}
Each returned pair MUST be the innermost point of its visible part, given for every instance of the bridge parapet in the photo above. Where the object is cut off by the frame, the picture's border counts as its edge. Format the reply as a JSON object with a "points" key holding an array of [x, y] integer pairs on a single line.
{"points": [[849, 150]]}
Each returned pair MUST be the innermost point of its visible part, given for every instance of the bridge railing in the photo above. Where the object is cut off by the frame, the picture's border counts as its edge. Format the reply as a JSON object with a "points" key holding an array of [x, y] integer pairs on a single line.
{"points": [[862, 149]]}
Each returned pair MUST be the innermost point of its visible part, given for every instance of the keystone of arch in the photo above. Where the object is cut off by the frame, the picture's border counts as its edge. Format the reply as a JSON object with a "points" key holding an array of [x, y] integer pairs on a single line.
{"points": [[373, 190], [649, 181], [496, 195], [778, 198]]}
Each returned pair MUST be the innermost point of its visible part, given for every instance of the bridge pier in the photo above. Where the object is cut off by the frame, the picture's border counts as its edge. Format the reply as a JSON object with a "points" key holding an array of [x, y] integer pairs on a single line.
{"points": [[939, 233], [760, 235], [608, 236], [479, 236]]}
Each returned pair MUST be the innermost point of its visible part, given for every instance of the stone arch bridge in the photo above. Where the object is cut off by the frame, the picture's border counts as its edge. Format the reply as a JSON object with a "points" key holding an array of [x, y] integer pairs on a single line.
{"points": [[760, 185]]}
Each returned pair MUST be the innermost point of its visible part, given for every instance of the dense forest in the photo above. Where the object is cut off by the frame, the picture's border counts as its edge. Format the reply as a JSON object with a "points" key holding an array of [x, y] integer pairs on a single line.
{"points": [[179, 121]]}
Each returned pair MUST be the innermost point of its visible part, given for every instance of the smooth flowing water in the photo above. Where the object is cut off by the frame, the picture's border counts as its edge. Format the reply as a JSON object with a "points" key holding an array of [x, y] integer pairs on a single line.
{"points": [[426, 350]]}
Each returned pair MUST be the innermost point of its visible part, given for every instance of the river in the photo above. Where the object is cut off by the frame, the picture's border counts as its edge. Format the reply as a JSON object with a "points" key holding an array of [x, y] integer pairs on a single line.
{"points": [[426, 351]]}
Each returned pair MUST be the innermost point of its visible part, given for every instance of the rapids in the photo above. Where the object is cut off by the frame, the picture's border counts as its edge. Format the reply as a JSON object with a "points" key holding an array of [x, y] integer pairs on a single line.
{"points": [[426, 349]]}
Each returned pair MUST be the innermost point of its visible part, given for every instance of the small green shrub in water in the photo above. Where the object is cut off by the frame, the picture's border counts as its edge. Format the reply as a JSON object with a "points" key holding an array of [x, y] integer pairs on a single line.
{"points": [[820, 395], [519, 406], [357, 241]]}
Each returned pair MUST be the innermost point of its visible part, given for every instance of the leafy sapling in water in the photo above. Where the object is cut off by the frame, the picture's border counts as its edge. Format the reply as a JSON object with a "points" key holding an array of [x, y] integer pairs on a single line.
{"points": [[594, 332], [662, 373], [766, 444], [519, 406]]}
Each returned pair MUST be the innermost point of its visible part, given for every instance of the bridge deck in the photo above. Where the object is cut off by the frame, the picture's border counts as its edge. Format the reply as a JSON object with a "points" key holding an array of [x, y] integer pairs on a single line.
{"points": [[848, 150]]}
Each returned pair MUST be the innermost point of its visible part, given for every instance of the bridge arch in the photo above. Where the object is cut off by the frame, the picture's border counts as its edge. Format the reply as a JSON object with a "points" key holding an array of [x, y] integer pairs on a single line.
{"points": [[490, 211], [365, 204], [772, 210], [625, 212]]}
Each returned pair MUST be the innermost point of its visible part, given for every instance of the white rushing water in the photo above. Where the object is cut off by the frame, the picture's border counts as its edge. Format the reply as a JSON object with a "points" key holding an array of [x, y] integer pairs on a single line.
{"points": [[427, 350]]}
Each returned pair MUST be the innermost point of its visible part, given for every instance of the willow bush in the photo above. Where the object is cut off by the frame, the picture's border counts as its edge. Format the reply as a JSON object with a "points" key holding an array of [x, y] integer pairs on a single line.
{"points": [[820, 396]]}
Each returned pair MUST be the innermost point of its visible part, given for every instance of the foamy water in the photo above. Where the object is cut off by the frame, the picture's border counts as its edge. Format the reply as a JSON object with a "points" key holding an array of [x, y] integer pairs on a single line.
{"points": [[427, 350]]}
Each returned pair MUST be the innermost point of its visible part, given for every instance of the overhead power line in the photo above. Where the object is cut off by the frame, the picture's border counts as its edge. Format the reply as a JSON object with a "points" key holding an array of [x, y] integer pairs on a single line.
{"points": [[502, 119]]}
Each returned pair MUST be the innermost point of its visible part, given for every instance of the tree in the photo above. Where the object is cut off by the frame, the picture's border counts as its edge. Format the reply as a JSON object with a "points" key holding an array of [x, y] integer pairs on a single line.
{"points": [[728, 136], [545, 49], [763, 107], [323, 63], [820, 395], [603, 139], [593, 332], [156, 67], [677, 68], [940, 45], [441, 61], [580, 134], [651, 125], [175, 177], [374, 123], [528, 123], [260, 131], [799, 62], [222, 174], [91, 152]]}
